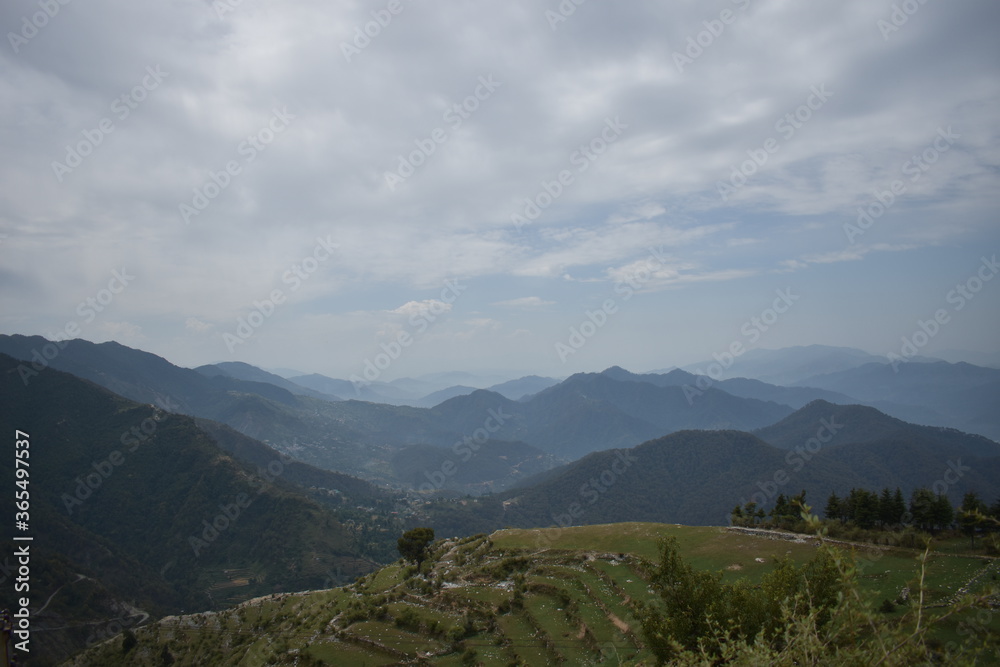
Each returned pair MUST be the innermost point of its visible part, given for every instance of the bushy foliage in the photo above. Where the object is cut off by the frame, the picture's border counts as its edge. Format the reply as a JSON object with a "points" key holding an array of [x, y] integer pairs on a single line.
{"points": [[809, 615], [696, 605]]}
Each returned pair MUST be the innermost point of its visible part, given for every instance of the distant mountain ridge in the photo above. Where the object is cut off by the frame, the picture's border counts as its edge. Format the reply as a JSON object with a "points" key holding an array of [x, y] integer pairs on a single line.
{"points": [[697, 477], [788, 365], [242, 371], [959, 395], [859, 424], [584, 413]]}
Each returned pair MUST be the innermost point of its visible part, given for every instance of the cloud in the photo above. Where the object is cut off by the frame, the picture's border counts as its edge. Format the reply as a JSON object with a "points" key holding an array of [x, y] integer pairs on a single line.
{"points": [[420, 308], [524, 302], [196, 325], [205, 135]]}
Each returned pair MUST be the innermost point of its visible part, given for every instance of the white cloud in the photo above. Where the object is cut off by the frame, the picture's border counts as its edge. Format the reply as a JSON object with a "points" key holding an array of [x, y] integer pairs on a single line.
{"points": [[525, 302], [419, 308], [655, 186], [196, 325]]}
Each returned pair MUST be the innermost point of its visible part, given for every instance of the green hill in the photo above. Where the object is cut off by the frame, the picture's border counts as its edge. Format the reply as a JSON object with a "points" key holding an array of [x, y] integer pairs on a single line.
{"points": [[134, 508], [522, 597], [858, 424], [697, 477]]}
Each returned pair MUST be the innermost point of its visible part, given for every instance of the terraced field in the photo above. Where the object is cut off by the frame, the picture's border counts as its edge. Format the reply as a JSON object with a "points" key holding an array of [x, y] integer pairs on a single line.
{"points": [[515, 597]]}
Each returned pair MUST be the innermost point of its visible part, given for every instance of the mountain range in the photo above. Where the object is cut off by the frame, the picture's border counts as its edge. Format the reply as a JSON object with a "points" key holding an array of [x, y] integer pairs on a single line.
{"points": [[697, 477], [159, 488]]}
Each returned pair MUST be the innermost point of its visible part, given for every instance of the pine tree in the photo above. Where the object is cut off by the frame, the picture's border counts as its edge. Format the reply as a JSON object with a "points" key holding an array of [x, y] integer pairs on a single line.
{"points": [[780, 509], [736, 516], [922, 508], [898, 506], [886, 508], [833, 509], [750, 510], [943, 513], [971, 515]]}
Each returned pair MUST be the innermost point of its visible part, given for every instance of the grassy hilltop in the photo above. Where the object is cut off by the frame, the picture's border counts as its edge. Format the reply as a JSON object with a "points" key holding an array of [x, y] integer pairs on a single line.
{"points": [[531, 597]]}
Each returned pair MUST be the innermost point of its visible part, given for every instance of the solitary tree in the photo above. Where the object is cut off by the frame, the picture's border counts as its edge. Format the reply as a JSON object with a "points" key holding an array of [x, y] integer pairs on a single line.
{"points": [[413, 544]]}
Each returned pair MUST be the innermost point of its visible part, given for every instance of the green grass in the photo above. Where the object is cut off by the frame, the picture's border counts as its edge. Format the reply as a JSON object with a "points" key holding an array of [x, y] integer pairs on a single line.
{"points": [[388, 635], [426, 616], [384, 579], [581, 591], [525, 645], [550, 614], [349, 655], [479, 595], [705, 547]]}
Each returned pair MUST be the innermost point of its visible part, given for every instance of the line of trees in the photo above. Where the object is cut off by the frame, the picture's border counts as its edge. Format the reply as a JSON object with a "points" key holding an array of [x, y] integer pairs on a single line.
{"points": [[785, 513], [926, 510], [886, 510]]}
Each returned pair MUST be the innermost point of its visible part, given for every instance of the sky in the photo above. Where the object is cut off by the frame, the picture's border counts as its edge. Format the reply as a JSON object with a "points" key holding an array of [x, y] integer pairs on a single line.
{"points": [[397, 188]]}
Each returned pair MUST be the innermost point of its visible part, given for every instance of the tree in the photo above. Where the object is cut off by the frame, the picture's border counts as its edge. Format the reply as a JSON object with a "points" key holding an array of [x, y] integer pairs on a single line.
{"points": [[833, 509], [736, 517], [781, 508], [922, 508], [413, 544], [971, 515], [128, 641], [863, 508], [898, 506], [750, 511], [995, 509], [942, 513], [886, 509]]}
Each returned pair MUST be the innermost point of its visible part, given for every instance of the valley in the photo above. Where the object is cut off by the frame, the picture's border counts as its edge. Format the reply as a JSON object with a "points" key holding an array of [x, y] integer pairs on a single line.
{"points": [[193, 507]]}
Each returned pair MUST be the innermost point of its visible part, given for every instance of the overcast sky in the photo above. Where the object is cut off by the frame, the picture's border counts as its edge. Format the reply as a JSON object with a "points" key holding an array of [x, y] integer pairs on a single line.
{"points": [[462, 185]]}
